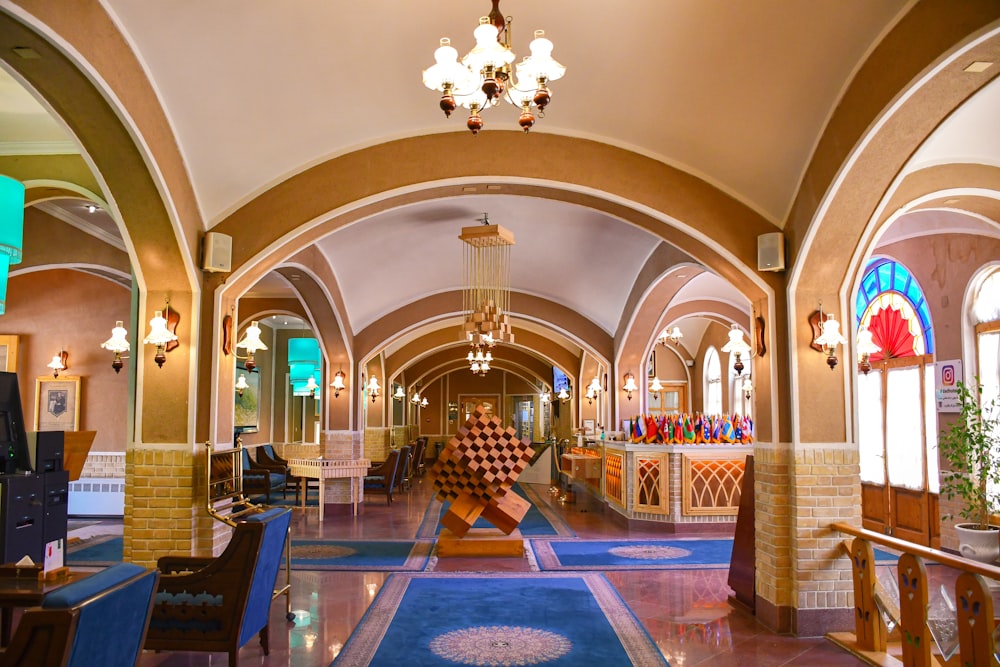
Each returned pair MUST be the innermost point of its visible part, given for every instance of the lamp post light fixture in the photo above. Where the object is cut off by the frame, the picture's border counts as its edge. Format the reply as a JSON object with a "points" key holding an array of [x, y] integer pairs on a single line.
{"points": [[866, 348], [737, 346], [118, 343], [159, 336], [338, 383], [629, 385]]}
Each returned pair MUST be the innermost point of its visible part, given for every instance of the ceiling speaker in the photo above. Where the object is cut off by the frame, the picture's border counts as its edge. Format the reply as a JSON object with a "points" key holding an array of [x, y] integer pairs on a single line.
{"points": [[217, 253], [771, 252]]}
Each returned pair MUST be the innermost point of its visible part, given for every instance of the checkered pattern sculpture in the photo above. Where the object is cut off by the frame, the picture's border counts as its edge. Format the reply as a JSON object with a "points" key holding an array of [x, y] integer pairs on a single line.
{"points": [[476, 471]]}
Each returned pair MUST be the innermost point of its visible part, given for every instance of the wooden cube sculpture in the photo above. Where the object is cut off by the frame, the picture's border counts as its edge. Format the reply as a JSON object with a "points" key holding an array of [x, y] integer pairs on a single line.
{"points": [[476, 471]]}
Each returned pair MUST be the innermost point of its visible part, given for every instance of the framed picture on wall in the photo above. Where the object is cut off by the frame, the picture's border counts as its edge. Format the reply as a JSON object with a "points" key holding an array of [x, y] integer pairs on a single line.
{"points": [[651, 366], [57, 403], [247, 413], [8, 354]]}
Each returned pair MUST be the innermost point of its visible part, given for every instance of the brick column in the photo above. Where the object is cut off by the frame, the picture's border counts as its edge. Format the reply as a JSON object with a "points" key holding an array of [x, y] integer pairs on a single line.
{"points": [[772, 494]]}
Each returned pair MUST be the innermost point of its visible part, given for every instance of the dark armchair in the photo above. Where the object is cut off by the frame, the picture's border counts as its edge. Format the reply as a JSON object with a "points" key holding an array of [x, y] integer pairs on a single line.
{"points": [[98, 620], [382, 478], [258, 480], [219, 604]]}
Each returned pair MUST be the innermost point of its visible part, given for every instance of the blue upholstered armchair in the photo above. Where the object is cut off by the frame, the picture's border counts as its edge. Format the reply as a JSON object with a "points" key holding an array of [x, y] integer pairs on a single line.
{"points": [[260, 480], [219, 604], [98, 620]]}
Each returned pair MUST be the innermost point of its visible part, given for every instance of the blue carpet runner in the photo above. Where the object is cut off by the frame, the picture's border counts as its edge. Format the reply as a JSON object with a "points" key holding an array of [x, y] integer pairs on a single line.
{"points": [[558, 620]]}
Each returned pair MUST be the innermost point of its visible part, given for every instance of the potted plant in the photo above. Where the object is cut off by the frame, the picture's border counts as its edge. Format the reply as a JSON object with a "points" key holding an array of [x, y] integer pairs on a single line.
{"points": [[971, 445]]}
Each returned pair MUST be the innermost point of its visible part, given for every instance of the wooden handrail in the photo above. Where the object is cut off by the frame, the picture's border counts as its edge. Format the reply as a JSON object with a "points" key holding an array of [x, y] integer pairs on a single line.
{"points": [[943, 557], [974, 609]]}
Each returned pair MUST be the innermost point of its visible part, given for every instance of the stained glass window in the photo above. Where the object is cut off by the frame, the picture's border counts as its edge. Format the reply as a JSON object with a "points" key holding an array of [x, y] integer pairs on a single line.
{"points": [[892, 306]]}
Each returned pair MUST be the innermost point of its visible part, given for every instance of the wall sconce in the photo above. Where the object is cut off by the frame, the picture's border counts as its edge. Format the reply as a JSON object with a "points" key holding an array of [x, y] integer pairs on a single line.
{"points": [[159, 336], [747, 387], [829, 339], [416, 398], [738, 347], [400, 393], [241, 383], [373, 388], [338, 383], [593, 390], [58, 363], [545, 396], [252, 343], [655, 384], [674, 336], [311, 385], [118, 343], [423, 402], [563, 395], [629, 386], [866, 348]]}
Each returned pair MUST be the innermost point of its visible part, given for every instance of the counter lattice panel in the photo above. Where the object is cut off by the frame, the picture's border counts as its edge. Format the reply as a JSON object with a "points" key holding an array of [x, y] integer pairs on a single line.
{"points": [[712, 485]]}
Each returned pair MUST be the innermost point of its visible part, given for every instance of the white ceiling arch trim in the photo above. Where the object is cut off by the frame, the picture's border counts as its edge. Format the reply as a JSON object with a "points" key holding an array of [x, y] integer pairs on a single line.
{"points": [[98, 270], [324, 288]]}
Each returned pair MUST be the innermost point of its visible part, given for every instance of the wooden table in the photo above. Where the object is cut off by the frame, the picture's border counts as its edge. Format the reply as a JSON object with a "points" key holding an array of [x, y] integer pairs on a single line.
{"points": [[27, 592], [324, 469]]}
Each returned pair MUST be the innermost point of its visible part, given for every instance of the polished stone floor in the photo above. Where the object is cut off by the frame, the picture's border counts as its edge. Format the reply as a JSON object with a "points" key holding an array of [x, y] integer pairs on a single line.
{"points": [[685, 612]]}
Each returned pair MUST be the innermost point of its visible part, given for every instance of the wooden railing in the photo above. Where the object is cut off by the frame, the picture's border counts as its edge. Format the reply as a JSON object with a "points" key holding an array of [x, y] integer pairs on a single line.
{"points": [[975, 622]]}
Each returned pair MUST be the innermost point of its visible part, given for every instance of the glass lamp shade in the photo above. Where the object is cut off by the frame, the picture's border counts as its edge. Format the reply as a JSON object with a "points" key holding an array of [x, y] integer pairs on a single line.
{"points": [[866, 346], [158, 332], [304, 351], [56, 364], [119, 339], [373, 387], [400, 393], [830, 338], [595, 387], [655, 385], [338, 381], [311, 384], [446, 70], [487, 51], [251, 339], [11, 218], [540, 64], [423, 402], [241, 383], [747, 386], [675, 334], [415, 399], [545, 397], [736, 344], [563, 395], [629, 383]]}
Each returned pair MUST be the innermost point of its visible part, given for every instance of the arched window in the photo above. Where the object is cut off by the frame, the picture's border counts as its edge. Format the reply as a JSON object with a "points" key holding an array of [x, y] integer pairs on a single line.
{"points": [[897, 416], [986, 316], [713, 383]]}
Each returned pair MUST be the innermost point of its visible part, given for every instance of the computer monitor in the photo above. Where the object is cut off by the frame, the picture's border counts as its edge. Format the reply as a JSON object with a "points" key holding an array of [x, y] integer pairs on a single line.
{"points": [[13, 440]]}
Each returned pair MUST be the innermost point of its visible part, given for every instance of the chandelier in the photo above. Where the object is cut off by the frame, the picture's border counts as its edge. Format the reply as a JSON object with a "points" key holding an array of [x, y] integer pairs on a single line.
{"points": [[486, 295], [673, 336], [484, 75]]}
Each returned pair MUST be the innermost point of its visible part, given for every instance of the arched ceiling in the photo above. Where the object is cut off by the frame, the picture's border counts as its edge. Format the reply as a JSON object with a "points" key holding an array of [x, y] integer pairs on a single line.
{"points": [[737, 94]]}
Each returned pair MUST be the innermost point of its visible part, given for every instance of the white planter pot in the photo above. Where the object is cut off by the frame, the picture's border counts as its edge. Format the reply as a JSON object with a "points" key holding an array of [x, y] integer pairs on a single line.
{"points": [[978, 545]]}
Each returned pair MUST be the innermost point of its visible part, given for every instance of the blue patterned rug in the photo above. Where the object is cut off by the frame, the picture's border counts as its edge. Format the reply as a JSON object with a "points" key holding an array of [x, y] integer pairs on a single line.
{"points": [[649, 554], [540, 521], [499, 620], [356, 555]]}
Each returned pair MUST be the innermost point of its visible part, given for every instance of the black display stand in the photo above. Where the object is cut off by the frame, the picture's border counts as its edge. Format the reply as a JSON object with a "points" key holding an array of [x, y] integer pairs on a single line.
{"points": [[33, 505]]}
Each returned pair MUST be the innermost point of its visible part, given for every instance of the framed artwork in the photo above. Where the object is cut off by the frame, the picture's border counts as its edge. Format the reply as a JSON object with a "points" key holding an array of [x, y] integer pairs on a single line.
{"points": [[57, 403], [247, 414], [8, 354], [651, 366]]}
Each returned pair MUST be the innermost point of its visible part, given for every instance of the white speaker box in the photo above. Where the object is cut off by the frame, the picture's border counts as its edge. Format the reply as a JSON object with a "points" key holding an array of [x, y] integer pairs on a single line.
{"points": [[771, 252], [217, 253]]}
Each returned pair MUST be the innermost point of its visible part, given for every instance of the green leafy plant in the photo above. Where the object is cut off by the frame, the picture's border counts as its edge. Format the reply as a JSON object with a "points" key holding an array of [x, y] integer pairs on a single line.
{"points": [[972, 448]]}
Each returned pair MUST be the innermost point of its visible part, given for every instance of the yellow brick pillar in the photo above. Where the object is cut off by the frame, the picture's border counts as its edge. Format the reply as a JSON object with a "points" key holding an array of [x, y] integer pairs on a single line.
{"points": [[775, 592]]}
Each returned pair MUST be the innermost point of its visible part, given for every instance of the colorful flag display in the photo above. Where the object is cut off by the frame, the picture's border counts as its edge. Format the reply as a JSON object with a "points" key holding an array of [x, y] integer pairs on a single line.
{"points": [[688, 429]]}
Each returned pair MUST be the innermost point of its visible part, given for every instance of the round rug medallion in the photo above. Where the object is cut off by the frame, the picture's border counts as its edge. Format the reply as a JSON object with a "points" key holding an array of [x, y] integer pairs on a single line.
{"points": [[320, 551], [500, 646], [649, 552]]}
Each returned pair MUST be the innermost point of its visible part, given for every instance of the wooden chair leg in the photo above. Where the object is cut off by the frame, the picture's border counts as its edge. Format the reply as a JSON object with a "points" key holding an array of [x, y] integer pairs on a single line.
{"points": [[265, 639]]}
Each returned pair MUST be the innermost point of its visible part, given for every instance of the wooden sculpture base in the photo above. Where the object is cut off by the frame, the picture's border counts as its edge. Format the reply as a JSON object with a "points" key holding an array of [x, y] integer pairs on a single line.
{"points": [[480, 542]]}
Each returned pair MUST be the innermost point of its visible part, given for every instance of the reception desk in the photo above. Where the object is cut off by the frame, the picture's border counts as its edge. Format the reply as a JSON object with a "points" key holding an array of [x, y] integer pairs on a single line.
{"points": [[684, 485]]}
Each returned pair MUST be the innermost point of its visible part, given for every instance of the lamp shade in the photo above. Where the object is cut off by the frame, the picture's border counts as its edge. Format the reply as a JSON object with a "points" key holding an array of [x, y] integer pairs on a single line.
{"points": [[119, 339], [11, 218], [300, 372], [866, 345], [158, 332], [251, 339], [830, 338], [736, 344], [303, 351]]}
